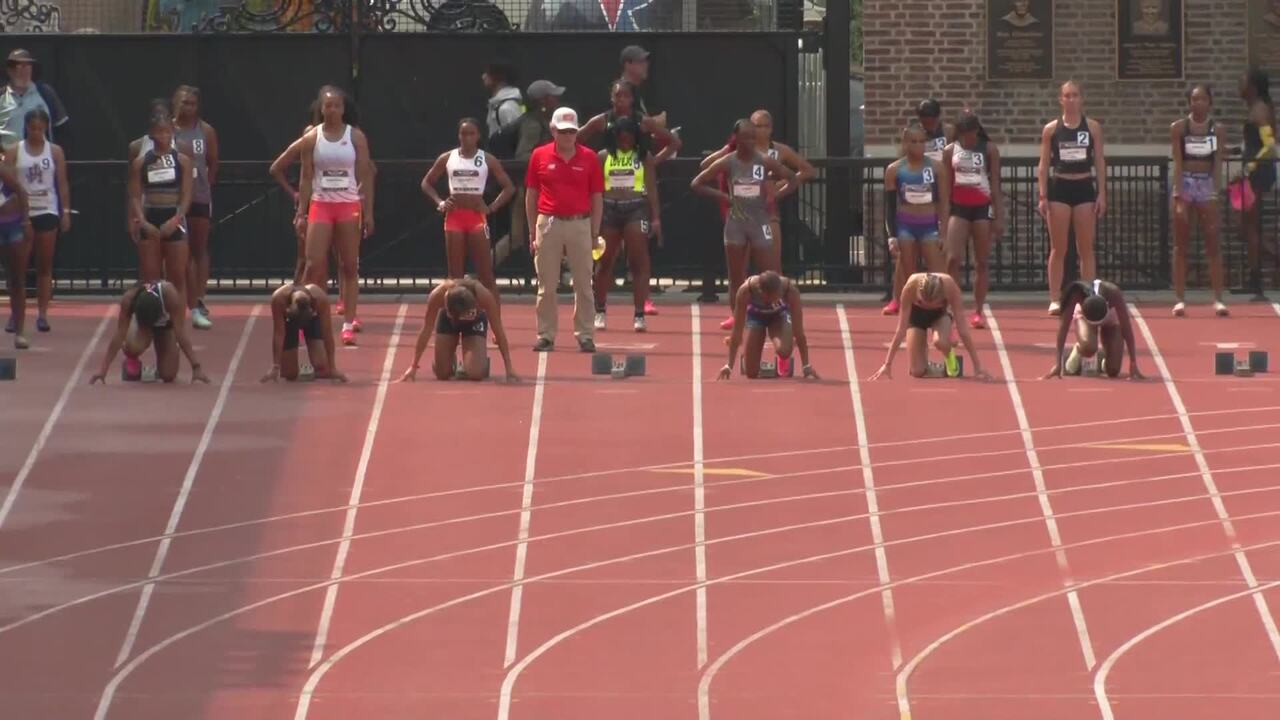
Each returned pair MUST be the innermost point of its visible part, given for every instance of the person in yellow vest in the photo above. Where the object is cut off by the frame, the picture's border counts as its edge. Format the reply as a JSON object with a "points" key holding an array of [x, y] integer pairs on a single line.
{"points": [[630, 215]]}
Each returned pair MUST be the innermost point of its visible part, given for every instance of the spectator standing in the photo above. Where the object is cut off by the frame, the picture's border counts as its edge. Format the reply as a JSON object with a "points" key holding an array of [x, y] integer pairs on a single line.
{"points": [[21, 95], [505, 105], [564, 203], [531, 130]]}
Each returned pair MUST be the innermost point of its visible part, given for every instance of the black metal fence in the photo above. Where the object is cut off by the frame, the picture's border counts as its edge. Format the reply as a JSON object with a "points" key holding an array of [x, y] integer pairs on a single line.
{"points": [[253, 244]]}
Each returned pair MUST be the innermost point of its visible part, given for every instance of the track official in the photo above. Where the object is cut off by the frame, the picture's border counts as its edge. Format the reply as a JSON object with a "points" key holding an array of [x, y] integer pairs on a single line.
{"points": [[564, 203]]}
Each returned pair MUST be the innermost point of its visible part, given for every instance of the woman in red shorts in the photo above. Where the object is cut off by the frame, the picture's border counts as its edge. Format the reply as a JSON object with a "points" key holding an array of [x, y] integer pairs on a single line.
{"points": [[466, 214], [335, 200]]}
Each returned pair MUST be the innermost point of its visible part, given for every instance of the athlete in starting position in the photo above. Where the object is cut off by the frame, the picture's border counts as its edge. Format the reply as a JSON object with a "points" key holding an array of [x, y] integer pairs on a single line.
{"points": [[151, 314], [459, 312], [768, 303], [1103, 326], [301, 313], [931, 301]]}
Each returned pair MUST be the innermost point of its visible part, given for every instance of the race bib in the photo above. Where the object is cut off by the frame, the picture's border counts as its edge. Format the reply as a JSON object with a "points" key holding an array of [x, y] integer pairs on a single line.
{"points": [[934, 155], [335, 180], [466, 181], [40, 200], [969, 177], [1073, 153], [1200, 147], [160, 175], [746, 190], [918, 194], [624, 179]]}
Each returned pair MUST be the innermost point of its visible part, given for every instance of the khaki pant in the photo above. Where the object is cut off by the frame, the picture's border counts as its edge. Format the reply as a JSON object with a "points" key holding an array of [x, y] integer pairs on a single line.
{"points": [[558, 238]]}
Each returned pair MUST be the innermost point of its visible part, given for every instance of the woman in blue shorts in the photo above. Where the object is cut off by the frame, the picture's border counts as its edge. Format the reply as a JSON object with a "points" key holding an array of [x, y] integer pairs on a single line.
{"points": [[768, 304], [1197, 166], [914, 199]]}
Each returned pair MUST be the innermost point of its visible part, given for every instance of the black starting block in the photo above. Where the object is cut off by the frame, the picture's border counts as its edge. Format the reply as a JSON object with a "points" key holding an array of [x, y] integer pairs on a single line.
{"points": [[8, 368], [768, 368], [619, 368], [460, 373], [1225, 363]]}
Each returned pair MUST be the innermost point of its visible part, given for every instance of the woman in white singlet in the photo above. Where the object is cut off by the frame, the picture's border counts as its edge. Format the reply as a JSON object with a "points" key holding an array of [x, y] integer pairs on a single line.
{"points": [[42, 169], [334, 202], [466, 214]]}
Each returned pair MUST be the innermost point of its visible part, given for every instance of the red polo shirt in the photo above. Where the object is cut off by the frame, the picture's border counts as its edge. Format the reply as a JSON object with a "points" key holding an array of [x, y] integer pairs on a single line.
{"points": [[564, 188]]}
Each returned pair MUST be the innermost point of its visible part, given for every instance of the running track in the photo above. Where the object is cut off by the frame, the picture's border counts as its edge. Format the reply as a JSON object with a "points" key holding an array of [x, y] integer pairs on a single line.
{"points": [[574, 548]]}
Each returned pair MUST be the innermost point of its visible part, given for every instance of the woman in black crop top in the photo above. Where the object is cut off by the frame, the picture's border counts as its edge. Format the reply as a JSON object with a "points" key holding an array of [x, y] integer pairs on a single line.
{"points": [[1072, 146], [1259, 163], [160, 183]]}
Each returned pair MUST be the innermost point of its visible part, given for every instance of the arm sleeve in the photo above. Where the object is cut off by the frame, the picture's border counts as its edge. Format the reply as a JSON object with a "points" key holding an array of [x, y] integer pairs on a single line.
{"points": [[891, 213]]}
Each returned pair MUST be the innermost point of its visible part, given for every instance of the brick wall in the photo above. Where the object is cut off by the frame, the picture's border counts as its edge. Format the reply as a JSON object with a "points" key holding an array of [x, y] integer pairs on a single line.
{"points": [[905, 65]]}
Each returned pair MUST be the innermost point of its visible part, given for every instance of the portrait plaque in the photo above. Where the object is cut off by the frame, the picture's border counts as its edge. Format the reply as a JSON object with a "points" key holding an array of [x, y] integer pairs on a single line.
{"points": [[1149, 39], [1019, 39]]}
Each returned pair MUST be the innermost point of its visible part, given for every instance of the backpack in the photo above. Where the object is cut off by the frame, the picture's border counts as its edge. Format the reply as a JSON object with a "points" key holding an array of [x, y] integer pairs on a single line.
{"points": [[503, 143]]}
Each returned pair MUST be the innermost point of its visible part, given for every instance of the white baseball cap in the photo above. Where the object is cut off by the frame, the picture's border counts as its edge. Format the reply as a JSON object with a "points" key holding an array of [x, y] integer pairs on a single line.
{"points": [[564, 118]]}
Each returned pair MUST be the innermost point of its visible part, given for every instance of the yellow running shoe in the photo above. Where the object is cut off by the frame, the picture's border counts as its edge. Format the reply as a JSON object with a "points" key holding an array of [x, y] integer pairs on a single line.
{"points": [[953, 364]]}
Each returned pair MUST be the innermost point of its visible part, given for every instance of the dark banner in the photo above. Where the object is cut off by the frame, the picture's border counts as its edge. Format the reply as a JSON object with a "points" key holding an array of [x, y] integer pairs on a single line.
{"points": [[1019, 39], [1149, 39], [1264, 34]]}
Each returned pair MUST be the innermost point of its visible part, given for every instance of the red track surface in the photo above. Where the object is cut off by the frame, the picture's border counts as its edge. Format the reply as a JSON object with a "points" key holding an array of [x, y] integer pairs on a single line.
{"points": [[488, 571]]}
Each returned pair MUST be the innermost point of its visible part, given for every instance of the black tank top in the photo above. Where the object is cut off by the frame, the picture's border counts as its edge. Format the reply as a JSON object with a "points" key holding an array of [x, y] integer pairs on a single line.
{"points": [[1265, 170], [1199, 146], [1072, 148], [161, 181]]}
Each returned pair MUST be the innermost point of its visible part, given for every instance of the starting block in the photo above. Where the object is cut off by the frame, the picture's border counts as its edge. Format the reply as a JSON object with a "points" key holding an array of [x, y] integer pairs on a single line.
{"points": [[306, 372], [1091, 366], [460, 373], [8, 368], [1225, 363], [618, 368], [768, 369]]}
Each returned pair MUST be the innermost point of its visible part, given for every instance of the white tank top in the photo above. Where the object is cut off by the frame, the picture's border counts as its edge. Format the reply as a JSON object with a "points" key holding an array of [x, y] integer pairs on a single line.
{"points": [[467, 176], [37, 175], [335, 169]]}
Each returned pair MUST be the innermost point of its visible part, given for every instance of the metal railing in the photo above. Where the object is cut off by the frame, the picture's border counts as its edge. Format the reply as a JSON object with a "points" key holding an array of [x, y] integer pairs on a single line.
{"points": [[253, 245]]}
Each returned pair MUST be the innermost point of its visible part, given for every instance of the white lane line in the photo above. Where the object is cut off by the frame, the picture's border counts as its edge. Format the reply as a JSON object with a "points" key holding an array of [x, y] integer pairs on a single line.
{"points": [[180, 504], [1100, 680], [672, 488], [357, 490], [699, 495], [869, 483], [12, 495], [1046, 507], [526, 514], [108, 694], [1211, 487]]}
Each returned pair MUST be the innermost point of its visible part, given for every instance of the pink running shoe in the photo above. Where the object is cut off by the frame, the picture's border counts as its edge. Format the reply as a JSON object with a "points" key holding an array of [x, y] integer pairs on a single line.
{"points": [[727, 324], [976, 322], [355, 325], [784, 367], [650, 308], [891, 308], [348, 336], [132, 368]]}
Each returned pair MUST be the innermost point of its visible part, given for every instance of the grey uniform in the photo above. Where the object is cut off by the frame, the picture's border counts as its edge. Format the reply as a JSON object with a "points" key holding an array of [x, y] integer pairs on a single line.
{"points": [[191, 142], [747, 220]]}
